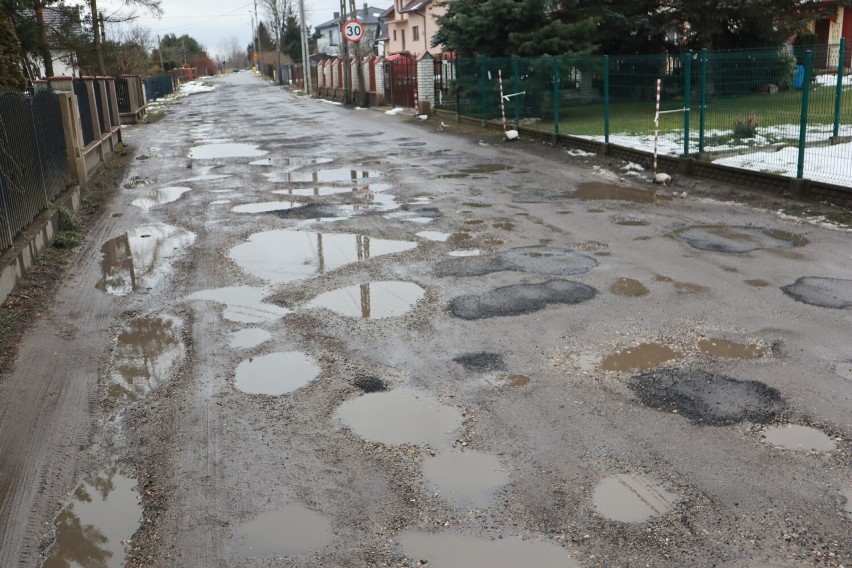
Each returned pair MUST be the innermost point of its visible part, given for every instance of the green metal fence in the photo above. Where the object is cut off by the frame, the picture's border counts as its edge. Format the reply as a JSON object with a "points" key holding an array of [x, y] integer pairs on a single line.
{"points": [[786, 111]]}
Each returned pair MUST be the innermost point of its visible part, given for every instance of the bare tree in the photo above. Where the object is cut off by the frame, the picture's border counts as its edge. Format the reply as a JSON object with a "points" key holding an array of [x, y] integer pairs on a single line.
{"points": [[152, 6], [277, 10]]}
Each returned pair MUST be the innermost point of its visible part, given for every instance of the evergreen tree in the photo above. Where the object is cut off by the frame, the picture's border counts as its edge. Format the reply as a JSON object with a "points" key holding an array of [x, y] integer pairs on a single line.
{"points": [[10, 55]]}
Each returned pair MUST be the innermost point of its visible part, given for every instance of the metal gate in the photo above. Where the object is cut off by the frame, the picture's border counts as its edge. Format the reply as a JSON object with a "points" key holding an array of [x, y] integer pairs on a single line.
{"points": [[400, 81], [444, 72]]}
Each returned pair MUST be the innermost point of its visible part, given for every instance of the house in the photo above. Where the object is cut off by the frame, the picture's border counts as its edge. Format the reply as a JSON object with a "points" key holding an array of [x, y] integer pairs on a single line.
{"points": [[410, 27], [828, 31], [329, 37]]}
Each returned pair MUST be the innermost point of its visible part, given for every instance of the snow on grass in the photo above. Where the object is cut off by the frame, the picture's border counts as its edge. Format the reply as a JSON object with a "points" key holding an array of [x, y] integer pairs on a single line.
{"points": [[831, 80], [830, 164], [197, 86]]}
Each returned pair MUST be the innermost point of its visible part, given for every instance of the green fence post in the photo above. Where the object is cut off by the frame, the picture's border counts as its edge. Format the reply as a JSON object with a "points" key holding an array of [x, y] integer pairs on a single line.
{"points": [[517, 73], [687, 89], [606, 97], [555, 95], [838, 91], [483, 87], [803, 122], [701, 111]]}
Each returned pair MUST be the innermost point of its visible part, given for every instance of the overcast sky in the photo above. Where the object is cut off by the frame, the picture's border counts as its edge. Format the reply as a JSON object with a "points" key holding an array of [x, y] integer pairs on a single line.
{"points": [[213, 22]]}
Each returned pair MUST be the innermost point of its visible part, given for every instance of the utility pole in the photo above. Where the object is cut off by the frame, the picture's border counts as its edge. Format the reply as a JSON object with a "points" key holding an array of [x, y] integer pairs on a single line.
{"points": [[359, 69], [347, 69], [306, 57], [259, 46], [160, 52]]}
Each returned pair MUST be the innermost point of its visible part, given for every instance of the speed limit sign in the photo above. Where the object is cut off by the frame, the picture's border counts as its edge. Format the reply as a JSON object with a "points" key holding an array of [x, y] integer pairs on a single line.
{"points": [[353, 30]]}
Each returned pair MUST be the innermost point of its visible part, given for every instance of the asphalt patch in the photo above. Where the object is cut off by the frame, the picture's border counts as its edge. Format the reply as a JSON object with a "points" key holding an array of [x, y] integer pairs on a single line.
{"points": [[737, 240], [369, 384], [707, 398], [835, 293], [539, 260], [518, 299], [481, 362]]}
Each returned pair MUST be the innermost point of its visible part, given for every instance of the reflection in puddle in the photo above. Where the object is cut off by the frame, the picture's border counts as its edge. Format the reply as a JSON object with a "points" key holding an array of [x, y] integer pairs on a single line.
{"points": [[639, 358], [214, 151], [291, 162], [371, 300], [153, 197], [277, 373], [249, 338], [433, 235], [757, 282], [731, 349], [456, 551], [140, 258], [243, 304], [801, 438], [401, 416], [143, 356], [314, 191], [333, 175], [266, 206], [631, 498], [293, 530], [103, 512], [283, 255], [607, 191], [468, 252], [468, 479], [486, 168], [628, 287]]}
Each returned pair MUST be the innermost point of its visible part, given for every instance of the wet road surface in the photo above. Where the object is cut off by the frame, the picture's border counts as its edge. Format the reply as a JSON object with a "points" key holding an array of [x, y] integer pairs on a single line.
{"points": [[306, 335]]}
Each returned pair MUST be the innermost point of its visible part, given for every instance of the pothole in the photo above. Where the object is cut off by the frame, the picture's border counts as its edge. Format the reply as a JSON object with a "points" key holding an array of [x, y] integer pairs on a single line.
{"points": [[539, 260], [160, 196], [291, 531], [371, 300], [436, 236], [737, 240], [518, 299], [284, 255], [459, 237], [276, 373], [249, 338], [232, 150], [481, 362], [266, 207], [331, 175], [368, 383], [486, 168], [504, 225], [595, 191], [243, 304], [453, 550], [511, 380], [468, 479], [757, 282], [835, 293], [639, 358], [707, 398], [731, 349], [801, 438], [631, 498], [629, 287]]}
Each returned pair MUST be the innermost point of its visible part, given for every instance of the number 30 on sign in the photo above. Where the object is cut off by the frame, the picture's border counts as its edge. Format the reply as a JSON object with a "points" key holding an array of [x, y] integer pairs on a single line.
{"points": [[353, 30]]}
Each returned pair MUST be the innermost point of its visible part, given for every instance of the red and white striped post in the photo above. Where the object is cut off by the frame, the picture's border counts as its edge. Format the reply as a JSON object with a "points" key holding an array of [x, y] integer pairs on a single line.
{"points": [[502, 103], [656, 127]]}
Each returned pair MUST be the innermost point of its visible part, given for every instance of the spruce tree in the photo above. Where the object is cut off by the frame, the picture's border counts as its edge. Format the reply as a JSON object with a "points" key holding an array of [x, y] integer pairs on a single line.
{"points": [[10, 56]]}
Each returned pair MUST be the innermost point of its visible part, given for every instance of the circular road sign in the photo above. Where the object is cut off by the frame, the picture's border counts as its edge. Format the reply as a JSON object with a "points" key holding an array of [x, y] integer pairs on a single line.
{"points": [[353, 30]]}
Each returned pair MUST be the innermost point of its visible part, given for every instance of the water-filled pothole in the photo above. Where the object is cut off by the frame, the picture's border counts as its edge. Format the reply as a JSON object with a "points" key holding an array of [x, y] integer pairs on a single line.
{"points": [[639, 358], [292, 531], [518, 299], [266, 206], [103, 512], [371, 300], [464, 253], [276, 373], [486, 168], [243, 304], [141, 258], [232, 150], [707, 398], [468, 479], [459, 237], [436, 236], [249, 338], [453, 550], [504, 225], [802, 438], [594, 191], [835, 293], [331, 175], [144, 354], [757, 282], [737, 240], [629, 287], [511, 380], [401, 416], [631, 498], [284, 256], [159, 196], [731, 349]]}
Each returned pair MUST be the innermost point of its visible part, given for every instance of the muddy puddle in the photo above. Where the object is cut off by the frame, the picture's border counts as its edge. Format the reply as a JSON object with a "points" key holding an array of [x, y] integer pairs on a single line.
{"points": [[731, 349], [629, 222], [467, 479], [141, 258], [486, 169], [103, 511], [800, 438], [737, 240], [689, 288], [511, 380], [248, 338], [291, 531], [401, 416], [459, 237], [539, 260], [473, 222], [639, 358], [457, 551], [477, 204], [219, 151], [707, 398], [662, 278], [266, 206], [629, 287], [243, 304], [323, 176], [597, 191], [519, 299], [284, 255], [276, 374], [757, 282], [631, 498], [504, 225], [153, 197], [371, 300], [143, 356], [481, 362], [436, 236], [835, 293]]}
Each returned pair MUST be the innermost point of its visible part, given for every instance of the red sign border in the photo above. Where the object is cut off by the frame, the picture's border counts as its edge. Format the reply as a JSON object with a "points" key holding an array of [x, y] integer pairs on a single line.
{"points": [[347, 22]]}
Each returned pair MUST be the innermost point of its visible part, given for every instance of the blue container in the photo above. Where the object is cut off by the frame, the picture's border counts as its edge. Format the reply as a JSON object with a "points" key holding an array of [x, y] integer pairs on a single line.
{"points": [[798, 77]]}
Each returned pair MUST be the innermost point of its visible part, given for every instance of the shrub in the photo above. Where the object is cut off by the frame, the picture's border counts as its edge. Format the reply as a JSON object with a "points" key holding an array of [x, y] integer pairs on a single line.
{"points": [[747, 128]]}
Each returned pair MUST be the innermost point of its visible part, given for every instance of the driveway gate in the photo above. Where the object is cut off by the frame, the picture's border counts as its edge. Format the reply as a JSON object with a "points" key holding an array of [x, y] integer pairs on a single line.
{"points": [[400, 81]]}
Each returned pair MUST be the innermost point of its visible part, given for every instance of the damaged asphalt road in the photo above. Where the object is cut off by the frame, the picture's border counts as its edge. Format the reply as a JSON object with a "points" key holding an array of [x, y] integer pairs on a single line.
{"points": [[312, 336]]}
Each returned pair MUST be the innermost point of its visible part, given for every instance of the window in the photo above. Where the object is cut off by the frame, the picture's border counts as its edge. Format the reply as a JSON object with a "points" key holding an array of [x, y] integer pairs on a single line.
{"points": [[394, 35], [332, 40], [402, 32], [415, 33]]}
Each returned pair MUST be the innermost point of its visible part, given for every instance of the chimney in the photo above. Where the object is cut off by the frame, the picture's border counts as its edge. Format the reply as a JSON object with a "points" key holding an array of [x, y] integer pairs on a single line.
{"points": [[336, 15], [365, 9]]}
